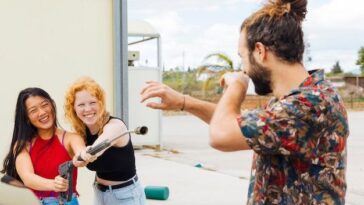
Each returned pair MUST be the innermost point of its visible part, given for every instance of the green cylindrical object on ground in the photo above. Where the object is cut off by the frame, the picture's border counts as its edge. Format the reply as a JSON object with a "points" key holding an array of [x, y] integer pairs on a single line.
{"points": [[157, 192]]}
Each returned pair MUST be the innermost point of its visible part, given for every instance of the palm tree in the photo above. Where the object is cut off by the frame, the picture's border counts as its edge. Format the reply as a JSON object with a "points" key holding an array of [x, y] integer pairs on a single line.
{"points": [[211, 72]]}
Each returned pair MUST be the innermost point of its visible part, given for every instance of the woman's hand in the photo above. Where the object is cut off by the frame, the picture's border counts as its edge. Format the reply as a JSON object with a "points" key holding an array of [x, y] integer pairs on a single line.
{"points": [[86, 158], [60, 184]]}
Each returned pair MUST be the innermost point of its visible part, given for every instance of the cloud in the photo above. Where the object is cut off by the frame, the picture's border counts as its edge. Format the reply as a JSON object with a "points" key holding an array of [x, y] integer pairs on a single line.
{"points": [[173, 30], [186, 44], [192, 29], [218, 38], [168, 21], [343, 14], [335, 32], [167, 5]]}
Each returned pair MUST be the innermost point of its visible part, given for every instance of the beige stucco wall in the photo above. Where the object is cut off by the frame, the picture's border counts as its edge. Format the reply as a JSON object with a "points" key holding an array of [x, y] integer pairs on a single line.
{"points": [[49, 44]]}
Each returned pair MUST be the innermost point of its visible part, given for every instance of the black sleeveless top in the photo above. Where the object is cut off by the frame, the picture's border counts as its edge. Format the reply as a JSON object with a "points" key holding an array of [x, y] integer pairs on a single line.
{"points": [[116, 163]]}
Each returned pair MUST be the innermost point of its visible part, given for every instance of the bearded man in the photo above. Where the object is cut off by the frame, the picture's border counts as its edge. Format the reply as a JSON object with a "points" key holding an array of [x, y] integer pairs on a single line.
{"points": [[299, 137]]}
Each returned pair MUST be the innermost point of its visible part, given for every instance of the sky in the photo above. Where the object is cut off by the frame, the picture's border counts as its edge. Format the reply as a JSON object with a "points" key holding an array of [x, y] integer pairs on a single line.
{"points": [[192, 29]]}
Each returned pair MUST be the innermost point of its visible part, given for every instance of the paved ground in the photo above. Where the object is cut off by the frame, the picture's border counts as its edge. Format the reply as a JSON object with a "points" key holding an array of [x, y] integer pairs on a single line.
{"points": [[187, 184]]}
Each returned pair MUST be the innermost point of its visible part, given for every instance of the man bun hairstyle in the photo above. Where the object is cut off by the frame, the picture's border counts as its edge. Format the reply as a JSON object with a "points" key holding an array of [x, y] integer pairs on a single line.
{"points": [[278, 25], [296, 8]]}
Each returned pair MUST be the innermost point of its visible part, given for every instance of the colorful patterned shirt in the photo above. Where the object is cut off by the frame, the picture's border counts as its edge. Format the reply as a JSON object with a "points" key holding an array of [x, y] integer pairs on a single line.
{"points": [[299, 143]]}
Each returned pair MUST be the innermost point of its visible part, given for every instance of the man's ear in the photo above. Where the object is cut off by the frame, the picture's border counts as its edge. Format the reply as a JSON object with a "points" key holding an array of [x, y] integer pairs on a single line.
{"points": [[260, 51]]}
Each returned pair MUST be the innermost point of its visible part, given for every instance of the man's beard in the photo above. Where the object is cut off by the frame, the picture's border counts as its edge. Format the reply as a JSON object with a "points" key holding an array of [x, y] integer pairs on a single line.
{"points": [[260, 76]]}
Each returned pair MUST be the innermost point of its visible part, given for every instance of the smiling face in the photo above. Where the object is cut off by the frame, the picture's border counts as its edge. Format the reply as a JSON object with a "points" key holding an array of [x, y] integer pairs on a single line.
{"points": [[87, 108], [259, 74], [40, 113]]}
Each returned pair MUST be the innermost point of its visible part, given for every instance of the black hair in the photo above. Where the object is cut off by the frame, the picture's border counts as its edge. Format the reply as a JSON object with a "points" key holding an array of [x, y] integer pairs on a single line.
{"points": [[278, 25], [24, 131]]}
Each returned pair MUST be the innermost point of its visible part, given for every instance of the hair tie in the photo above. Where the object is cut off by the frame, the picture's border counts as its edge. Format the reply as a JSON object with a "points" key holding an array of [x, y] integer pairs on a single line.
{"points": [[287, 8]]}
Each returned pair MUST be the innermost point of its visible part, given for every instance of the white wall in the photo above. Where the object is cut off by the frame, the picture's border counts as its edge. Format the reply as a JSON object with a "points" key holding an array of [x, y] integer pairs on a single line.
{"points": [[49, 44], [139, 114]]}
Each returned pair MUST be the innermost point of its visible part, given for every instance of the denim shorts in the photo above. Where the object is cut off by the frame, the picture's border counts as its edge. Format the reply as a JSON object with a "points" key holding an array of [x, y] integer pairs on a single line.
{"points": [[129, 195], [55, 201]]}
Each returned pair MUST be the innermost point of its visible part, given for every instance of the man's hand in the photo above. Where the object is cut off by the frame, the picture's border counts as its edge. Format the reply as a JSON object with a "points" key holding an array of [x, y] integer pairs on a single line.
{"points": [[230, 78], [60, 184], [170, 99]]}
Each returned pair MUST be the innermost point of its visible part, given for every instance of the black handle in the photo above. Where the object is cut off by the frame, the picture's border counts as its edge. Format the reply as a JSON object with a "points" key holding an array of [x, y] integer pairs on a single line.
{"points": [[94, 150], [66, 171], [141, 130]]}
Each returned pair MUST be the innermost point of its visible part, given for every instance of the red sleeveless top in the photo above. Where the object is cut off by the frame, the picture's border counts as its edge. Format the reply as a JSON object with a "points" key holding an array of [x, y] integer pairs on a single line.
{"points": [[46, 156]]}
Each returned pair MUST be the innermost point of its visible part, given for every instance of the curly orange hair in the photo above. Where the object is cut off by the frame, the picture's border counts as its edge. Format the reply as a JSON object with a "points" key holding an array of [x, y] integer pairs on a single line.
{"points": [[89, 85]]}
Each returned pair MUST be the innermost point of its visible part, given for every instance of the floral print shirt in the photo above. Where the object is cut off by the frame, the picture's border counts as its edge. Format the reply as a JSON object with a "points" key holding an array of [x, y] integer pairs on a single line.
{"points": [[299, 143]]}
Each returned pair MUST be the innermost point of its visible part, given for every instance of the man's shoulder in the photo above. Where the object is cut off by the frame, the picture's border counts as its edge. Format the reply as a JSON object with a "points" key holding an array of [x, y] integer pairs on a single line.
{"points": [[308, 101], [313, 95]]}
